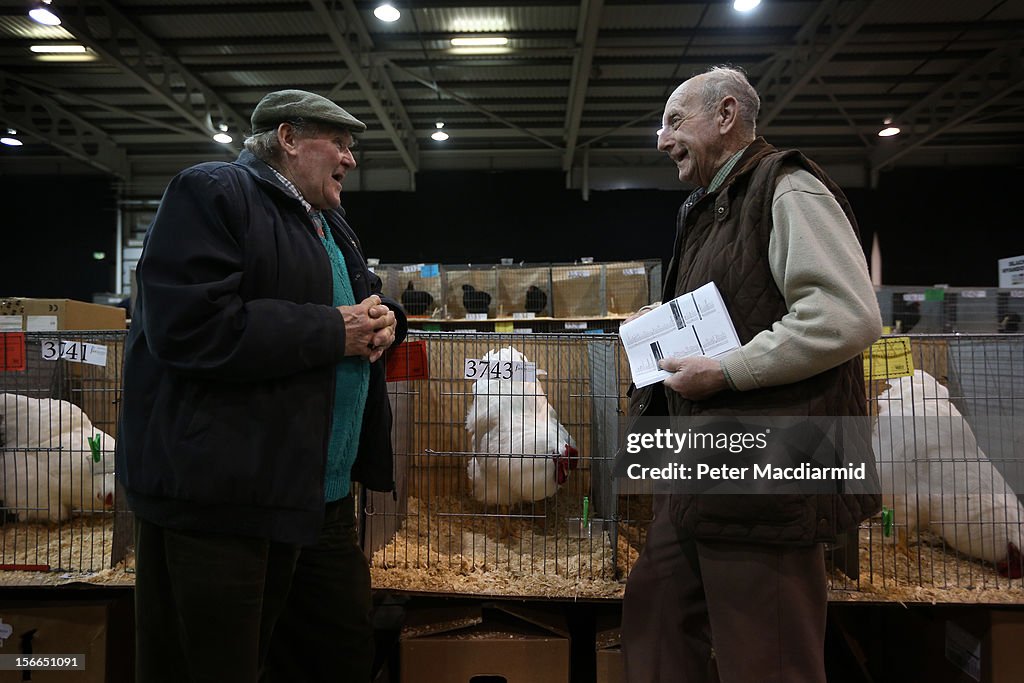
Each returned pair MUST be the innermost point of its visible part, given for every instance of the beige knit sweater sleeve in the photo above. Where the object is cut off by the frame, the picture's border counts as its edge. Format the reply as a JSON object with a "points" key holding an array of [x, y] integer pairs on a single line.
{"points": [[818, 265]]}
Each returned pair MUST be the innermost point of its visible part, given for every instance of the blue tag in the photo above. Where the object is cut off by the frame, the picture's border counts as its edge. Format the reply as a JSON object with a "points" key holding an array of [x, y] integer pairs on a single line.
{"points": [[429, 270]]}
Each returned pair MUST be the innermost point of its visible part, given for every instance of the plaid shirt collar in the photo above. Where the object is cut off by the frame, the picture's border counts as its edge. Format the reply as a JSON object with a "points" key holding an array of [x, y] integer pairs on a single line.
{"points": [[319, 222]]}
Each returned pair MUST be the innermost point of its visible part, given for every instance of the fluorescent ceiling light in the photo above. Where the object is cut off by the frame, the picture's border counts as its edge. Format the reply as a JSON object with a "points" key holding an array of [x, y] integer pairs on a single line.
{"points": [[87, 57], [41, 15], [58, 49], [480, 41], [387, 12], [495, 50], [745, 5]]}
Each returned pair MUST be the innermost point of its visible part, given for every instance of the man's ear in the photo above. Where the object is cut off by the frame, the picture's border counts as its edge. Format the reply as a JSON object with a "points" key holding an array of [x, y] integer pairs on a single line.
{"points": [[728, 114], [286, 138]]}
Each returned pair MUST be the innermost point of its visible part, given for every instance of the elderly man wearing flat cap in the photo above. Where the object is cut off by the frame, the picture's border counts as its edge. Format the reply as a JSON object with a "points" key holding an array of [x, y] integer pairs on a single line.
{"points": [[253, 397]]}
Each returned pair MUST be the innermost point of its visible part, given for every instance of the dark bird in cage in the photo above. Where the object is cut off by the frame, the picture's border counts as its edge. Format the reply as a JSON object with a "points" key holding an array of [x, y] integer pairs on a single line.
{"points": [[415, 301], [906, 315], [536, 299], [1010, 323], [475, 301]]}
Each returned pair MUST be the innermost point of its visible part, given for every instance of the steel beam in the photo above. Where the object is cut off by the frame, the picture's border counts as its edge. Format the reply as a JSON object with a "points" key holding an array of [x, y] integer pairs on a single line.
{"points": [[976, 87], [43, 118], [122, 43], [813, 48], [371, 78], [586, 40]]}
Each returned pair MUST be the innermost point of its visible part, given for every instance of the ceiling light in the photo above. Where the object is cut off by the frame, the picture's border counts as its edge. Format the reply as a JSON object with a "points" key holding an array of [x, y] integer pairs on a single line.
{"points": [[223, 138], [387, 12], [41, 14], [889, 129], [10, 140], [745, 5], [439, 134], [65, 49], [480, 41]]}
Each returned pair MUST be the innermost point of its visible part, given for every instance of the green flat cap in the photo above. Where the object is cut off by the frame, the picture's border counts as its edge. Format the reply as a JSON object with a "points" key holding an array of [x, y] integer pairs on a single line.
{"points": [[288, 105]]}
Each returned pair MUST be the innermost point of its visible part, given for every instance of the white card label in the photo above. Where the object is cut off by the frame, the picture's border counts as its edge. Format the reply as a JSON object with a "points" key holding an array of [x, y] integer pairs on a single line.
{"points": [[523, 315], [974, 294], [40, 323], [12, 323], [913, 296], [633, 271]]}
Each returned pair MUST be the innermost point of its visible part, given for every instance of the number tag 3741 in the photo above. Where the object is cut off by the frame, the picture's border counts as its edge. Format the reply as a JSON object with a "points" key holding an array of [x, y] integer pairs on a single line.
{"points": [[500, 370], [76, 352]]}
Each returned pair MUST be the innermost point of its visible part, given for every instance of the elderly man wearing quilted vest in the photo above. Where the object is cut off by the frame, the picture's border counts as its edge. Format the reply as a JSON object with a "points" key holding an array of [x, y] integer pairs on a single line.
{"points": [[740, 573]]}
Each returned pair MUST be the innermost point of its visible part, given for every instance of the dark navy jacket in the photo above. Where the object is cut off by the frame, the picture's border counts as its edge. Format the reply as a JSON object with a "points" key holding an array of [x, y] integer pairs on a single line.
{"points": [[230, 361]]}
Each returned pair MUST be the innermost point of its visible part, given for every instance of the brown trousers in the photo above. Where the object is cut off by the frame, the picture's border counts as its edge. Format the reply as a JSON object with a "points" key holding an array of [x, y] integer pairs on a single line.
{"points": [[762, 607]]}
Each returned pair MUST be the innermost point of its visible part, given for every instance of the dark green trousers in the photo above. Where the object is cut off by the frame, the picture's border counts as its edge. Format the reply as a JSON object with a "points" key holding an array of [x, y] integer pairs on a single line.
{"points": [[211, 607]]}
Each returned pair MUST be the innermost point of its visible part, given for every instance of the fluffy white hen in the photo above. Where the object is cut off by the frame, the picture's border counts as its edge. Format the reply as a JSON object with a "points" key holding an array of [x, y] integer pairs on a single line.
{"points": [[49, 468], [523, 453], [942, 480]]}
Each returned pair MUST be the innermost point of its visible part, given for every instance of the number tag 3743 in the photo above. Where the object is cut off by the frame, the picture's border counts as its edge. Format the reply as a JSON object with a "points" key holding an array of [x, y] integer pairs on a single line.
{"points": [[500, 370]]}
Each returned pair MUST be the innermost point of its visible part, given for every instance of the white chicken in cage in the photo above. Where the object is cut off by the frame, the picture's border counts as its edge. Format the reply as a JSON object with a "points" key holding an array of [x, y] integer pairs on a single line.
{"points": [[522, 452], [941, 480], [55, 461]]}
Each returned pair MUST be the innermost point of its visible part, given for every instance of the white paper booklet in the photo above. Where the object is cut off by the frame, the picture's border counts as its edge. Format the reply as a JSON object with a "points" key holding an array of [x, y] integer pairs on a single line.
{"points": [[694, 324]]}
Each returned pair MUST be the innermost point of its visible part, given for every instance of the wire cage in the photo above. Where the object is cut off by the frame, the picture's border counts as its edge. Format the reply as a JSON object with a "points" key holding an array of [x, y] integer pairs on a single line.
{"points": [[59, 397], [504, 445], [936, 310], [949, 445]]}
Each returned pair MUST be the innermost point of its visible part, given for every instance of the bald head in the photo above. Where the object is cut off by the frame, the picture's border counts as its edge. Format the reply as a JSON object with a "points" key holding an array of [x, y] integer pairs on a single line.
{"points": [[720, 82], [707, 119]]}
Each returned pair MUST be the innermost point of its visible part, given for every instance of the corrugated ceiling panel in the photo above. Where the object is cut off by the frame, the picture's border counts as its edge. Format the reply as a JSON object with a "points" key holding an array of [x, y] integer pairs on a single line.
{"points": [[295, 23]]}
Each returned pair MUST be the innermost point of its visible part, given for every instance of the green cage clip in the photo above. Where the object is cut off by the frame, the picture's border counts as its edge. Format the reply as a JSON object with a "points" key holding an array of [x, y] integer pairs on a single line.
{"points": [[887, 521], [94, 445]]}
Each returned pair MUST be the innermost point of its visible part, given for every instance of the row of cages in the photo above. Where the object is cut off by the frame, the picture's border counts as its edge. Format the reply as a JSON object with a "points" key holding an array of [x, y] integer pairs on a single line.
{"points": [[936, 310], [523, 291], [504, 450]]}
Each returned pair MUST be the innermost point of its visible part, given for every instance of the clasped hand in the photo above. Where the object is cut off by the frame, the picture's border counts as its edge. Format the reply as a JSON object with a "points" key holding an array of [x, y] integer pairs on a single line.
{"points": [[369, 328]]}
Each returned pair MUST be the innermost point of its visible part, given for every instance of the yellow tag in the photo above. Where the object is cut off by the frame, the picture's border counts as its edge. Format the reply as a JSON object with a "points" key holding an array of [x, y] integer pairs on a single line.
{"points": [[888, 358], [503, 327], [886, 329]]}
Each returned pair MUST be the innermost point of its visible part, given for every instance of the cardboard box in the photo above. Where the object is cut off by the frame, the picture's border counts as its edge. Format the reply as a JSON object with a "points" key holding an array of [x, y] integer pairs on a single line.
{"points": [[46, 315], [626, 286], [505, 641], [610, 666], [981, 645], [578, 291], [57, 628]]}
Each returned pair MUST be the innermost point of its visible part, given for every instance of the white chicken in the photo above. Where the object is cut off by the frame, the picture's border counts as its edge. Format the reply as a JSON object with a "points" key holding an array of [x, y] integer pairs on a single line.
{"points": [[523, 453], [49, 466], [942, 481]]}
